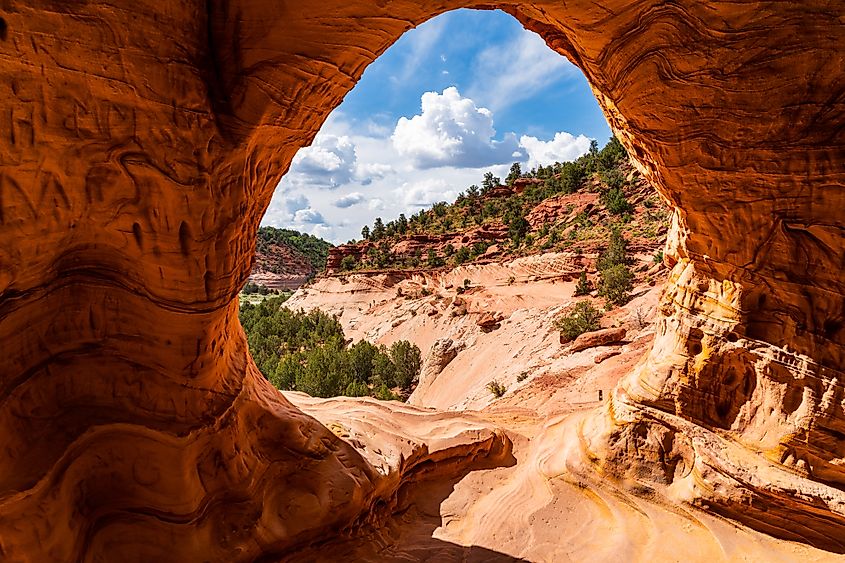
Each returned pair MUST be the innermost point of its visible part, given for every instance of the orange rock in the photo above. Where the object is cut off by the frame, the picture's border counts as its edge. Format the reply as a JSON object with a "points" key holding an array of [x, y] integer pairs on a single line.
{"points": [[489, 321], [140, 147], [597, 338]]}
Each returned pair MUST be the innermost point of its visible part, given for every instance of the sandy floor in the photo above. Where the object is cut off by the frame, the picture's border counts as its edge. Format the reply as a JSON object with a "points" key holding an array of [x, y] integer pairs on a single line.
{"points": [[533, 507]]}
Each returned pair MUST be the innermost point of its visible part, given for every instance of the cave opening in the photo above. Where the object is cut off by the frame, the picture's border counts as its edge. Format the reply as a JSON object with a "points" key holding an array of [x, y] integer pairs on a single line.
{"points": [[469, 98]]}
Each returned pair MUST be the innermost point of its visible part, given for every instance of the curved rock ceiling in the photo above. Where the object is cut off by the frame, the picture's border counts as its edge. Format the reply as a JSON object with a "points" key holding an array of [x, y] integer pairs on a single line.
{"points": [[140, 145]]}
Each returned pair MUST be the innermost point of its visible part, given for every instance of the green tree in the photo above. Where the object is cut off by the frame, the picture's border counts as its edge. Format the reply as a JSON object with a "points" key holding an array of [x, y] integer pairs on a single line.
{"points": [[384, 372], [356, 389], [378, 231], [489, 182], [616, 251], [616, 284], [612, 178], [572, 175], [384, 393], [406, 361], [361, 356], [514, 174], [612, 153], [348, 263], [593, 157], [462, 255], [365, 232], [517, 225], [615, 201], [284, 377]]}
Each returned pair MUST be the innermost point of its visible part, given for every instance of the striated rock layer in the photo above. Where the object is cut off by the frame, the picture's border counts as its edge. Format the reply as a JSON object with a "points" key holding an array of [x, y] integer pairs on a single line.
{"points": [[141, 143]]}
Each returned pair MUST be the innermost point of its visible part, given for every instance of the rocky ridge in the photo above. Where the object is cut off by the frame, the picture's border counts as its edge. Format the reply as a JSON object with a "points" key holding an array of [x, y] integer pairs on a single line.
{"points": [[568, 222], [280, 265]]}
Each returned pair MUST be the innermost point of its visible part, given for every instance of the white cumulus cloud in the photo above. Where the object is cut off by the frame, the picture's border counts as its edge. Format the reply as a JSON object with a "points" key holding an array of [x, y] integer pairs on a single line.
{"points": [[308, 216], [367, 172], [376, 204], [428, 192], [563, 147], [329, 162], [295, 203], [349, 200], [451, 131]]}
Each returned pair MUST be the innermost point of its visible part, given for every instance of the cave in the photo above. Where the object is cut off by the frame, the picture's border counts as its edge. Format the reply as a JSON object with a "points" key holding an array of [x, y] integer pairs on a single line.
{"points": [[141, 147]]}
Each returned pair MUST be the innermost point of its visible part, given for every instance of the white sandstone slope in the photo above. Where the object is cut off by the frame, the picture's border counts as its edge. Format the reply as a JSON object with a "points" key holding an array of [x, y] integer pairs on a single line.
{"points": [[496, 327]]}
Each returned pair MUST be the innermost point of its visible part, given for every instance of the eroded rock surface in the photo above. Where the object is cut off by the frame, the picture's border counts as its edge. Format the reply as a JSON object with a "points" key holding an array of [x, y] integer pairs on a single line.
{"points": [[140, 145]]}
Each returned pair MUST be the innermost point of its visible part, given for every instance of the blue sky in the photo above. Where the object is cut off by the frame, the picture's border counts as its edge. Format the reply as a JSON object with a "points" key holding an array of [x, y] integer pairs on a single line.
{"points": [[466, 92]]}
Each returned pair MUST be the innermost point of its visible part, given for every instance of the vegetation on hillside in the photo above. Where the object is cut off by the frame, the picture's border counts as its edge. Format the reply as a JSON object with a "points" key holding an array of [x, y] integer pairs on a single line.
{"points": [[315, 249], [617, 280], [582, 318], [493, 205], [308, 352]]}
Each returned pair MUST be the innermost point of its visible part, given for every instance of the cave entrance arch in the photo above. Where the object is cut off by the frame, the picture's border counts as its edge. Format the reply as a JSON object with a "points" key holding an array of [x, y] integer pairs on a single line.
{"points": [[143, 146], [309, 198]]}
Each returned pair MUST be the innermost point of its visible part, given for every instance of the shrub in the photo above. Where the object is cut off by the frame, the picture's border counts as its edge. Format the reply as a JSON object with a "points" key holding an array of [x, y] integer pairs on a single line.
{"points": [[612, 178], [462, 255], [615, 201], [250, 288], [496, 389], [467, 283], [522, 377], [582, 318], [383, 393], [348, 263], [433, 260], [658, 257], [583, 287], [616, 284], [357, 389]]}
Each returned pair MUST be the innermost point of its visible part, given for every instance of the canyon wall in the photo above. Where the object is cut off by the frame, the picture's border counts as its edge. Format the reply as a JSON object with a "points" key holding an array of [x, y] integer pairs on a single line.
{"points": [[141, 143]]}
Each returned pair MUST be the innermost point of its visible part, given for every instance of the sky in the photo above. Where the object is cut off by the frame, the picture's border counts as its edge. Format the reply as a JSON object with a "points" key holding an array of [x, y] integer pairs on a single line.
{"points": [[462, 94]]}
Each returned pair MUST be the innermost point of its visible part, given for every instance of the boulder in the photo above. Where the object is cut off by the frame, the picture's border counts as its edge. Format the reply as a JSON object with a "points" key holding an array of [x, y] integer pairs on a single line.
{"points": [[601, 337], [489, 321]]}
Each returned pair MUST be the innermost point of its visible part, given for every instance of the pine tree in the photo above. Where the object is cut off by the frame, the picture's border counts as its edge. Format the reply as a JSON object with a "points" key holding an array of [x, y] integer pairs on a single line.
{"points": [[378, 229], [616, 251], [514, 174]]}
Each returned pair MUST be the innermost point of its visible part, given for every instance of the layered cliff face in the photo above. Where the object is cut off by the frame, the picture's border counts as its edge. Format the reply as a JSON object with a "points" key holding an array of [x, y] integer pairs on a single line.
{"points": [[140, 147]]}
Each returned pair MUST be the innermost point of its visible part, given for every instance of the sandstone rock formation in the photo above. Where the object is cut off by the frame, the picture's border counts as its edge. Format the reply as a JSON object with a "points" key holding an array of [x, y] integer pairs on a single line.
{"points": [[442, 351], [141, 143], [597, 338]]}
